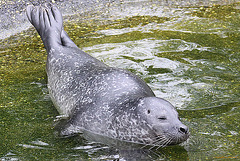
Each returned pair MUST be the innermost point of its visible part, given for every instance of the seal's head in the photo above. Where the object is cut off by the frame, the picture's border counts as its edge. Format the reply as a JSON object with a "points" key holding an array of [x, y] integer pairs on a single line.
{"points": [[163, 120]]}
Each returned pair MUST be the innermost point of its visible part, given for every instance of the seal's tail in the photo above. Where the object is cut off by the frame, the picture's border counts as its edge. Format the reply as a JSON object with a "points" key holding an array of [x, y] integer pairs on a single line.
{"points": [[49, 24]]}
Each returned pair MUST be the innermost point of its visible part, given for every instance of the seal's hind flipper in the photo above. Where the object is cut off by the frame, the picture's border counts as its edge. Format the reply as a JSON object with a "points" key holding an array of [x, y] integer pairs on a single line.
{"points": [[33, 16], [49, 24], [66, 41]]}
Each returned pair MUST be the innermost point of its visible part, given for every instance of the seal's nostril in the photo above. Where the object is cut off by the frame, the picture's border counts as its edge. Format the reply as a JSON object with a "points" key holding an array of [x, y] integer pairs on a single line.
{"points": [[184, 130]]}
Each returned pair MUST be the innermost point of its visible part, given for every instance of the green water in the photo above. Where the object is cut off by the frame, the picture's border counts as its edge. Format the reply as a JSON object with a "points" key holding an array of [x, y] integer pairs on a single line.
{"points": [[188, 54]]}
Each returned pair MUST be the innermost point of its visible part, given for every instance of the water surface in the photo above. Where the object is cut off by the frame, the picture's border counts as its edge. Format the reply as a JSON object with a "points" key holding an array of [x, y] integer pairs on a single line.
{"points": [[187, 52]]}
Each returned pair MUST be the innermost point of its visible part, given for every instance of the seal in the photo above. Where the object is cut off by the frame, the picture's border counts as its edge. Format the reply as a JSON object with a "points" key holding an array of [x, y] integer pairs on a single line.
{"points": [[98, 98]]}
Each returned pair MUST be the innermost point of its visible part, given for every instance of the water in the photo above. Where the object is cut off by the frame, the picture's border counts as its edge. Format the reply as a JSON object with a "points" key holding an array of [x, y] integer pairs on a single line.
{"points": [[188, 52]]}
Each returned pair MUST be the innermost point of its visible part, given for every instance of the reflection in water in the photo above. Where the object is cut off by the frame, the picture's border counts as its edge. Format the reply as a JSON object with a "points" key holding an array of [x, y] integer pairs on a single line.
{"points": [[187, 51], [141, 58]]}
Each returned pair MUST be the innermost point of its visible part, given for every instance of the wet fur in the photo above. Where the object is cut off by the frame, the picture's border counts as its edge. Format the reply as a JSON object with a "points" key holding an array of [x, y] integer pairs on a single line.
{"points": [[95, 97]]}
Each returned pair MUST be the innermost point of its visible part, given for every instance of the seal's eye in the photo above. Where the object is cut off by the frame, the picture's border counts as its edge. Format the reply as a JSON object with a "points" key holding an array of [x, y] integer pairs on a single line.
{"points": [[162, 118], [148, 111]]}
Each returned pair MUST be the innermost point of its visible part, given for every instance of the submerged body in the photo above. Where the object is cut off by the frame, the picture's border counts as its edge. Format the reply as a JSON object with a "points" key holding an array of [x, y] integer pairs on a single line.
{"points": [[95, 97]]}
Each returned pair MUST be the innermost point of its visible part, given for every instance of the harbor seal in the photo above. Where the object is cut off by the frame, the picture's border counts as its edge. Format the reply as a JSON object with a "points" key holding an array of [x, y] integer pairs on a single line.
{"points": [[98, 98]]}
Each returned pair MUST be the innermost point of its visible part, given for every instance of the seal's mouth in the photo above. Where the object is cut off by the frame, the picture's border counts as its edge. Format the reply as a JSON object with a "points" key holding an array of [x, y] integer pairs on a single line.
{"points": [[180, 139], [166, 139]]}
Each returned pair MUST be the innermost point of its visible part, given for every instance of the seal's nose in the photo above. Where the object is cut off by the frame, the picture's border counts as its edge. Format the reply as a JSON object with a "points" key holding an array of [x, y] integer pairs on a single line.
{"points": [[183, 129]]}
